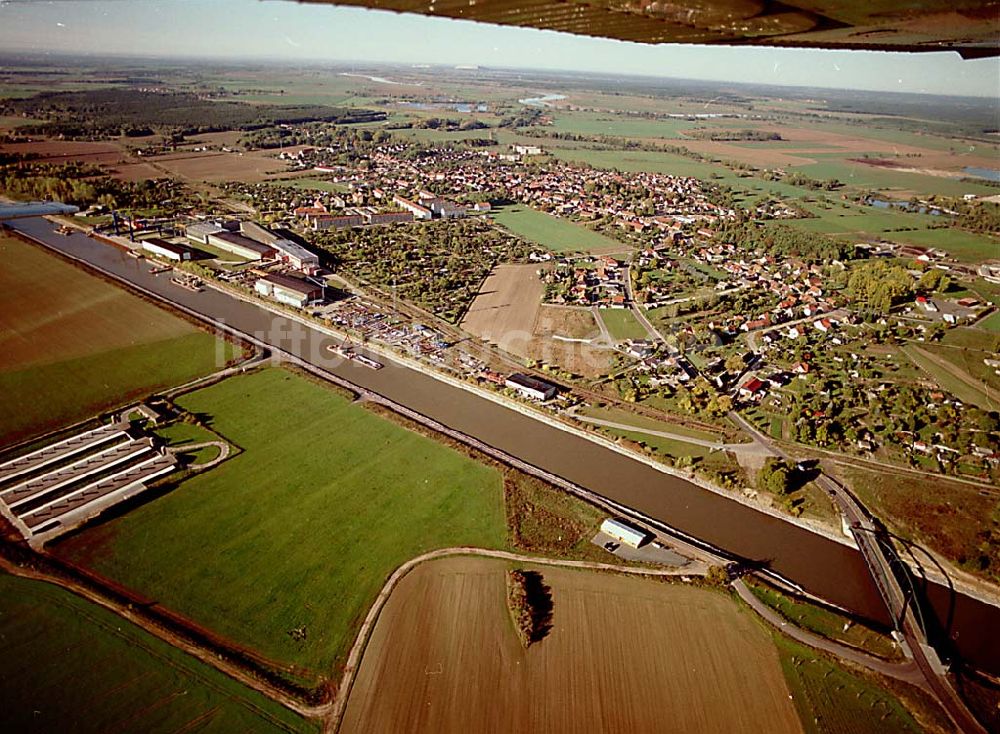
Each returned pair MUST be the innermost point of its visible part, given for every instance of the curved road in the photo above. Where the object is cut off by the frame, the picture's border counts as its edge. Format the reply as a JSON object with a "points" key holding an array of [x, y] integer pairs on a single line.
{"points": [[753, 447], [907, 672], [339, 704]]}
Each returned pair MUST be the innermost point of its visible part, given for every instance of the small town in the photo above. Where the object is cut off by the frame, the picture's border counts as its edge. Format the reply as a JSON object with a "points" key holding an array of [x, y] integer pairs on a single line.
{"points": [[492, 367]]}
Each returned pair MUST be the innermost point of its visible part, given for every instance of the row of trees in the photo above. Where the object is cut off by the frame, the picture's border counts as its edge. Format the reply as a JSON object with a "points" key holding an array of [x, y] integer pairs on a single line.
{"points": [[83, 185]]}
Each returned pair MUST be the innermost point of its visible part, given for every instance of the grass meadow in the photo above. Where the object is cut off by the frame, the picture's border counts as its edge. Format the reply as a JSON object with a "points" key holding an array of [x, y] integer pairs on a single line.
{"points": [[283, 548], [622, 324], [829, 698], [585, 123], [553, 233]]}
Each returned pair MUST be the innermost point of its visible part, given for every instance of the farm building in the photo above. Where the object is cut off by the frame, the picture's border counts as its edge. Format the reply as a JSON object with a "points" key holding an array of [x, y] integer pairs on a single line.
{"points": [[531, 387], [291, 291], [168, 250], [624, 532]]}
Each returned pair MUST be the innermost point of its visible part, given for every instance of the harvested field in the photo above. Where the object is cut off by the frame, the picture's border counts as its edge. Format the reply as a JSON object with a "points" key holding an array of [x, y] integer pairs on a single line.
{"points": [[215, 166], [743, 152], [586, 359], [847, 143], [507, 305], [72, 345], [508, 312], [624, 654], [63, 151], [134, 171], [571, 323]]}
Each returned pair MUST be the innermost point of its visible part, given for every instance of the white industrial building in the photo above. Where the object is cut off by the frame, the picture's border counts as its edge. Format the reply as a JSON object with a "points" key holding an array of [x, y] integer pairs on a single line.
{"points": [[624, 532], [297, 256], [241, 246], [418, 211], [200, 231], [285, 250], [226, 237], [290, 291], [531, 387], [165, 249]]}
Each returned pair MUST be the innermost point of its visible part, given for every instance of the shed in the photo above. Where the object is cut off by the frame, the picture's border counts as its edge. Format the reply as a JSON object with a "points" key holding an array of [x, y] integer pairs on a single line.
{"points": [[625, 532]]}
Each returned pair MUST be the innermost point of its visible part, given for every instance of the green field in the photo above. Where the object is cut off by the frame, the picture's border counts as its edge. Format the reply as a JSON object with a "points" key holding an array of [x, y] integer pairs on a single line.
{"points": [[619, 415], [283, 547], [180, 435], [69, 665], [622, 324], [587, 123], [72, 345], [661, 444], [947, 381], [831, 699], [313, 184], [951, 520], [640, 160], [964, 246], [971, 338], [874, 177], [554, 233], [991, 323]]}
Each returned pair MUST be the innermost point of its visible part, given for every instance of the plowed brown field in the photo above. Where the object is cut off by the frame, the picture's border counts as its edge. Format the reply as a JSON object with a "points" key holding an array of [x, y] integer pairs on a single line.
{"points": [[624, 654], [504, 312], [508, 312]]}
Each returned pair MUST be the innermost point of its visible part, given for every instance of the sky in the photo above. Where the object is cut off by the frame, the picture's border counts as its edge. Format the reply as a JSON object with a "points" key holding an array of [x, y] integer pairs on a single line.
{"points": [[278, 29]]}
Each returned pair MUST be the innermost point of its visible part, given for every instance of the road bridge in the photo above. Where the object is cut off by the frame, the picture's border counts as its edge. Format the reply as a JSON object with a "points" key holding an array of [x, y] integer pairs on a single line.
{"points": [[890, 573]]}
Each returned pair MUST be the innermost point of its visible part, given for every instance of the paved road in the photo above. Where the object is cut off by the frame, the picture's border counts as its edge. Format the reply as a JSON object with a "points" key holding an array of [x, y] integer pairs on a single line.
{"points": [[907, 672], [646, 324]]}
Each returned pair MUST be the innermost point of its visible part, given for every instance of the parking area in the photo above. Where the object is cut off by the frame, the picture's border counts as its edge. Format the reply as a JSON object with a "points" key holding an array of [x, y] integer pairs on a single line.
{"points": [[650, 552]]}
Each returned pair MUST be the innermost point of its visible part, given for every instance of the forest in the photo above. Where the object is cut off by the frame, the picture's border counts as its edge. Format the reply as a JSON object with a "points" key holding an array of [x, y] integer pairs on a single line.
{"points": [[110, 112]]}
